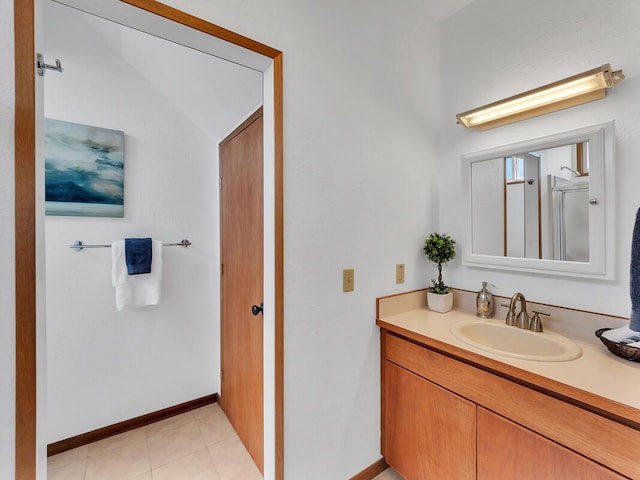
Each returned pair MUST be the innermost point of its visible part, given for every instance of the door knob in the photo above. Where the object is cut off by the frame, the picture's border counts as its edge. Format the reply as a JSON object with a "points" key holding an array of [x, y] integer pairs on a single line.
{"points": [[256, 310]]}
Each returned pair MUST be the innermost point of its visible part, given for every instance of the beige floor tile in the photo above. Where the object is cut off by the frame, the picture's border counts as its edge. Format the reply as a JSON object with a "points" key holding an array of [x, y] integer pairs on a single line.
{"points": [[68, 471], [70, 456], [133, 438], [197, 466], [389, 474], [171, 422], [171, 444], [233, 462], [198, 445], [144, 476], [118, 463], [216, 427], [207, 410]]}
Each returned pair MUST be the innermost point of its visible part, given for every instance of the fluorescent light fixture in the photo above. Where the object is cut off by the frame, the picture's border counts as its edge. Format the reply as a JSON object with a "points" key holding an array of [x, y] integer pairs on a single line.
{"points": [[582, 88]]}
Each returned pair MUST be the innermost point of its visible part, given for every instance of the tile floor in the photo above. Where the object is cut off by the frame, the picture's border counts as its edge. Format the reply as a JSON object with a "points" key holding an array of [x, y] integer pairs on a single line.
{"points": [[197, 445], [389, 474]]}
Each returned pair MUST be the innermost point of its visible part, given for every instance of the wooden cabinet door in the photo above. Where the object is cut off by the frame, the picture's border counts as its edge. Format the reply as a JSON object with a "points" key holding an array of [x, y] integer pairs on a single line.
{"points": [[509, 451], [430, 433]]}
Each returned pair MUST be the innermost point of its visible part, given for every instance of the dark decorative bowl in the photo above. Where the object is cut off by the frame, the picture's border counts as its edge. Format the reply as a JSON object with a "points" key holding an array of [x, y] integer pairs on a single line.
{"points": [[619, 349]]}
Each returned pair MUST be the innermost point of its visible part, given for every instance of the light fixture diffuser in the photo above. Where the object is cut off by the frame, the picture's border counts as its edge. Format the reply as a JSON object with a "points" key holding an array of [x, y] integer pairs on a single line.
{"points": [[576, 90]]}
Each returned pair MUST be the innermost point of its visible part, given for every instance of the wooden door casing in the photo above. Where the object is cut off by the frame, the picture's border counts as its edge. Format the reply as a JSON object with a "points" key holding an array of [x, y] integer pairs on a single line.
{"points": [[25, 227]]}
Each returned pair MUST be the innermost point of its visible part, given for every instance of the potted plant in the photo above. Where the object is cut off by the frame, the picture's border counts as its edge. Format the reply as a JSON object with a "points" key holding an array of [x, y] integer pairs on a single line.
{"points": [[439, 249]]}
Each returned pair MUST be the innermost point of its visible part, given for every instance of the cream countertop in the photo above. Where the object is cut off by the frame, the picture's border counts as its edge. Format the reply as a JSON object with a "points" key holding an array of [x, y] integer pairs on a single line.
{"points": [[596, 371]]}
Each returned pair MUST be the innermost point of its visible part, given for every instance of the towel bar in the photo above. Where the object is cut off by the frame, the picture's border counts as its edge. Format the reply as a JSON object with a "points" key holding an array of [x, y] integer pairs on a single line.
{"points": [[80, 245]]}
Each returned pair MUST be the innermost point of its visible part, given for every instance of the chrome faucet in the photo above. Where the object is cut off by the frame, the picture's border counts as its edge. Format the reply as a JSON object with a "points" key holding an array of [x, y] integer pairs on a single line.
{"points": [[522, 320]]}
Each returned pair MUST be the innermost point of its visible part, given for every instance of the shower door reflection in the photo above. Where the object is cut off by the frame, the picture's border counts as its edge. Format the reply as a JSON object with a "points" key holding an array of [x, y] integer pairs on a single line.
{"points": [[570, 203]]}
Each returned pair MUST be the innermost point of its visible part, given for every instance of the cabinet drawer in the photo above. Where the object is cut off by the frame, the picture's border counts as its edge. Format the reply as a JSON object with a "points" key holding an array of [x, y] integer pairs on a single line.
{"points": [[605, 441]]}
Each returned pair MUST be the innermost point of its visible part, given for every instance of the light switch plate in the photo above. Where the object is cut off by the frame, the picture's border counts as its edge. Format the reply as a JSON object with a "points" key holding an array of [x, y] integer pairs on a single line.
{"points": [[347, 280], [400, 273]]}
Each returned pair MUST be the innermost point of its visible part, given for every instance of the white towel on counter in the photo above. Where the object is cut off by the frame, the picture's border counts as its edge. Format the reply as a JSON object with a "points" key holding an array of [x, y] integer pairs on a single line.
{"points": [[133, 291]]}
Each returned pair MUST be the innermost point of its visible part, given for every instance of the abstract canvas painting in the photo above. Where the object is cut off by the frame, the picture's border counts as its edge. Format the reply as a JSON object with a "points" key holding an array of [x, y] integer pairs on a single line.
{"points": [[84, 170]]}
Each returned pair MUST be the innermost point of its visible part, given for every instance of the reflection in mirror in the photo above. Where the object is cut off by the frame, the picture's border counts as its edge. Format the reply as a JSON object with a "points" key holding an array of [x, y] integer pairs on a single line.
{"points": [[540, 205], [544, 197]]}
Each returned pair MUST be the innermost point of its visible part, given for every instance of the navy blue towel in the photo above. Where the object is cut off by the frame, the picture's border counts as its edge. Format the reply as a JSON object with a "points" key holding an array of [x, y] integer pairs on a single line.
{"points": [[138, 252], [634, 277]]}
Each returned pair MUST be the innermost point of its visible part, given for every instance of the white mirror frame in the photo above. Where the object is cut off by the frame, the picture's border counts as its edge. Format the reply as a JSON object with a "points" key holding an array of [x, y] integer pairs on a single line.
{"points": [[601, 215]]}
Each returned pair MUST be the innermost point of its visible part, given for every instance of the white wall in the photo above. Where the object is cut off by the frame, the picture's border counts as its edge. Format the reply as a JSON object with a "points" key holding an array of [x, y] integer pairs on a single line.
{"points": [[515, 220], [105, 366], [496, 48], [360, 111], [7, 289], [487, 211]]}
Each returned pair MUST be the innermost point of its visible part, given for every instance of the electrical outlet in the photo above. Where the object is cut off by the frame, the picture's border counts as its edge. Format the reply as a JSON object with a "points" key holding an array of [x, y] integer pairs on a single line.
{"points": [[400, 273], [347, 280]]}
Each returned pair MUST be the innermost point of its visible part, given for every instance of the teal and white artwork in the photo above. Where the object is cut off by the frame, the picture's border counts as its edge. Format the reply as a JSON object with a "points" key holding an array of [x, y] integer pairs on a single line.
{"points": [[84, 170]]}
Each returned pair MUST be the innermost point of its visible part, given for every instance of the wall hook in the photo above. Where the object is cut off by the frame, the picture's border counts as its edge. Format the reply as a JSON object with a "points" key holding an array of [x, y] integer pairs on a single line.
{"points": [[43, 66]]}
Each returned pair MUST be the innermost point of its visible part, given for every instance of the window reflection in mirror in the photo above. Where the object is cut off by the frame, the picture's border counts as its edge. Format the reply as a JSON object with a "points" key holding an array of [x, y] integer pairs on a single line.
{"points": [[540, 205]]}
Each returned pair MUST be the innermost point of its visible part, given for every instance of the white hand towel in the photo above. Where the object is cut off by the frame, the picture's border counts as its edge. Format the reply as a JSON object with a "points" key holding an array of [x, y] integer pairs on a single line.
{"points": [[133, 291], [620, 334]]}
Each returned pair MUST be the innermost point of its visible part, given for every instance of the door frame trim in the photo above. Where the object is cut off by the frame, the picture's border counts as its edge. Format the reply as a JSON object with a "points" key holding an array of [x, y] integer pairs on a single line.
{"points": [[25, 222], [25, 239]]}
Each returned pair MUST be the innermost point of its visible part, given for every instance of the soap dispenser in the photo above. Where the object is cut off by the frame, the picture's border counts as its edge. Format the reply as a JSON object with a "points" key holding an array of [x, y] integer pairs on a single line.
{"points": [[484, 302]]}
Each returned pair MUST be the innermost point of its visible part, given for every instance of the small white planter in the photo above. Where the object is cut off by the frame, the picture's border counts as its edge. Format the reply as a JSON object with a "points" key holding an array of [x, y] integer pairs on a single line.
{"points": [[440, 303]]}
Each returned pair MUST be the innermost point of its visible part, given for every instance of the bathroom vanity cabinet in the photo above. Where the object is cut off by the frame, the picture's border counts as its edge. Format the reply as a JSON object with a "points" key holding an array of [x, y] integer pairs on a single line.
{"points": [[429, 431], [508, 450], [445, 415]]}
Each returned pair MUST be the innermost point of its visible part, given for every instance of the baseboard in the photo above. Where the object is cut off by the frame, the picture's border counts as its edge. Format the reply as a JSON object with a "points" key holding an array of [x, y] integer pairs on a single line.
{"points": [[121, 427], [371, 471]]}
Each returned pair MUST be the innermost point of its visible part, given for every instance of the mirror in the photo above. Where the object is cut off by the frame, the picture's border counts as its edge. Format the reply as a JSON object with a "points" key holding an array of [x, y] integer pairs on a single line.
{"points": [[543, 205]]}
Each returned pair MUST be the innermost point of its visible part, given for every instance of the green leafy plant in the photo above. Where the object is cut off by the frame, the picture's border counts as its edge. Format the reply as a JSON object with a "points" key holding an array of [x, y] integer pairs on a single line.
{"points": [[439, 249]]}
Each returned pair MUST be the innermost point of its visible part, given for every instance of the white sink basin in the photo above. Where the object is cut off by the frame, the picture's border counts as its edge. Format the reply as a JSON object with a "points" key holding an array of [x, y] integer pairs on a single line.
{"points": [[502, 339]]}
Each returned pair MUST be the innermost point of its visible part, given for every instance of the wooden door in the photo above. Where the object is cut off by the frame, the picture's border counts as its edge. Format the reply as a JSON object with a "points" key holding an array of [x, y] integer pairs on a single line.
{"points": [[430, 433], [241, 227], [507, 450]]}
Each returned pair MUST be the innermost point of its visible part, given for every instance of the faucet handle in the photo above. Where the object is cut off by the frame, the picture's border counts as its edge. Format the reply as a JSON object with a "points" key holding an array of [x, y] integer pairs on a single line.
{"points": [[536, 321]]}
